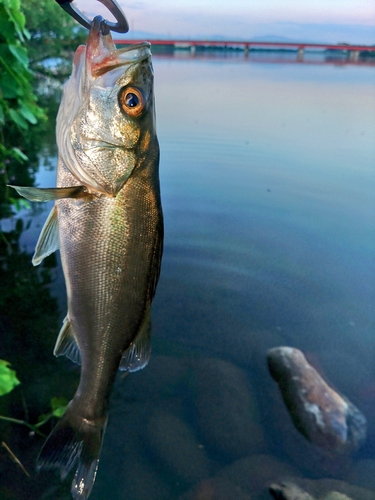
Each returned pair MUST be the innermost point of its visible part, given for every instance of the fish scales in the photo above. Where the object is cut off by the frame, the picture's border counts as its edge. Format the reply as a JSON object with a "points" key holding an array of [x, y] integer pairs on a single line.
{"points": [[107, 221], [102, 259]]}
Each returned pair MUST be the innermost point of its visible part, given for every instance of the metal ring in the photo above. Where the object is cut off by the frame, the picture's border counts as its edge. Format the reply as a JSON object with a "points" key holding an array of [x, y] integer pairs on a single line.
{"points": [[121, 26]]}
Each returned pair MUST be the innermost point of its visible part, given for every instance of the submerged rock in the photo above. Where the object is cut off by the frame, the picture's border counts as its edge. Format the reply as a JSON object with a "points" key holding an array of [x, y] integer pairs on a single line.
{"points": [[335, 495], [287, 490], [363, 474], [175, 445], [227, 413], [216, 489], [320, 414], [254, 473], [294, 488]]}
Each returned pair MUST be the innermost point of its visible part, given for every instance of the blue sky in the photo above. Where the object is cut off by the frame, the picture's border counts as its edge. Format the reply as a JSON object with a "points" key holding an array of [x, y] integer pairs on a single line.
{"points": [[351, 21]]}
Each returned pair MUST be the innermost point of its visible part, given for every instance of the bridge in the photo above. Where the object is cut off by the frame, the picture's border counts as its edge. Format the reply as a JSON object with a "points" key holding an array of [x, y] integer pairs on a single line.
{"points": [[353, 50]]}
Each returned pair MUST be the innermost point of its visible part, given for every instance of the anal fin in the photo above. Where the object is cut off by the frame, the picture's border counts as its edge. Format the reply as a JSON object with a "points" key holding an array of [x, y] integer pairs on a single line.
{"points": [[137, 355], [48, 241], [66, 343], [50, 194]]}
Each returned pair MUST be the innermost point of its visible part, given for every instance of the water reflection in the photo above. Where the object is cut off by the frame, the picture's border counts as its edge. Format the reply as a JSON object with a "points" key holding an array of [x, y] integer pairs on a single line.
{"points": [[28, 323], [268, 190]]}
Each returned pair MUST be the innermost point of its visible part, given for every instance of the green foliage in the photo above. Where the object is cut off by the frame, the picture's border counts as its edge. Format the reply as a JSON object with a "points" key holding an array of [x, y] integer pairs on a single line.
{"points": [[53, 35], [17, 101], [30, 35], [8, 378], [18, 106], [58, 408]]}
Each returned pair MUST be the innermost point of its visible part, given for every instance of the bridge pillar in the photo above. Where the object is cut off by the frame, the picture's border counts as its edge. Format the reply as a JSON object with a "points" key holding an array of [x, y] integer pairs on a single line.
{"points": [[300, 54], [354, 55], [246, 50], [192, 49]]}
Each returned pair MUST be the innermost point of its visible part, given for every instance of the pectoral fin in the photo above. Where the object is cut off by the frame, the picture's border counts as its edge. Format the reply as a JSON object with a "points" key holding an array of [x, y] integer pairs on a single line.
{"points": [[138, 353], [50, 194], [48, 241], [66, 343]]}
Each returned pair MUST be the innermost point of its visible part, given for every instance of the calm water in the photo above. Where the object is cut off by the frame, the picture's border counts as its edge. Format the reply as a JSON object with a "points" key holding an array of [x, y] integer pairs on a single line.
{"points": [[268, 182]]}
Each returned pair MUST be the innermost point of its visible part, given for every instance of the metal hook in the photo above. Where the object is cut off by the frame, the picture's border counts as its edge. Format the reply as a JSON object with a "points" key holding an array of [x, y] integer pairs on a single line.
{"points": [[121, 26]]}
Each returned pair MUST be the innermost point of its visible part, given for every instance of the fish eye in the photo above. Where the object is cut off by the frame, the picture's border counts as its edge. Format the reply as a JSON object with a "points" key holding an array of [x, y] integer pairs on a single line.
{"points": [[131, 101]]}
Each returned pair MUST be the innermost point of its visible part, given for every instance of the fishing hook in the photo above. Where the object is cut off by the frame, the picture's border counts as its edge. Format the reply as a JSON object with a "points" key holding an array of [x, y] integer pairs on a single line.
{"points": [[121, 26]]}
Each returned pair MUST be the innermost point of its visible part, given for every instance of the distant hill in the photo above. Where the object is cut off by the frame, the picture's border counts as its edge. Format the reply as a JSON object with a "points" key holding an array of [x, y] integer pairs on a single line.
{"points": [[145, 35], [351, 34]]}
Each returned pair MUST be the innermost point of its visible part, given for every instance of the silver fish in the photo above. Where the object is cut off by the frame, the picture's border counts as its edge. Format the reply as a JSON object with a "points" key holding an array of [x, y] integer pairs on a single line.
{"points": [[107, 221]]}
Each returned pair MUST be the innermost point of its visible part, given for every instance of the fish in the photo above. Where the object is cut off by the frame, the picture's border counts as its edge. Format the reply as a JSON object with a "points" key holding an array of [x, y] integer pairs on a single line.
{"points": [[107, 221]]}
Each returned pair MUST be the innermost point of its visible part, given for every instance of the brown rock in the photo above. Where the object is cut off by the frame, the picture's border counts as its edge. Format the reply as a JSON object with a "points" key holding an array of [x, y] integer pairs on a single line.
{"points": [[334, 495], [216, 488], [175, 445], [255, 473], [227, 409], [139, 480], [363, 474], [321, 488], [287, 490], [323, 416]]}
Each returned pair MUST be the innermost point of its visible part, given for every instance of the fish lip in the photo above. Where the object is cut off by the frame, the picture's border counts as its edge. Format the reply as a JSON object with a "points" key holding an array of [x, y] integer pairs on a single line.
{"points": [[127, 56], [135, 46]]}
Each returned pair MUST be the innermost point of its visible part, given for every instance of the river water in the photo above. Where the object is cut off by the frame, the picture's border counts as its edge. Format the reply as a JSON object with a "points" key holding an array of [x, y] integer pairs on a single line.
{"points": [[268, 181]]}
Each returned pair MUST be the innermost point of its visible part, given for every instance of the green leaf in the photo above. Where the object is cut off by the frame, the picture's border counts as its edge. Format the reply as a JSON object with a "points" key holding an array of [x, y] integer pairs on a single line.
{"points": [[7, 27], [18, 118], [27, 113], [19, 53], [12, 4], [17, 153], [44, 417], [9, 87], [12, 8], [8, 379], [58, 406], [19, 203]]}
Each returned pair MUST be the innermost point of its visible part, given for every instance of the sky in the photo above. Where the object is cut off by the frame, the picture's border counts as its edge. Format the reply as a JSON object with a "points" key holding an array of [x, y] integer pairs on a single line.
{"points": [[327, 21]]}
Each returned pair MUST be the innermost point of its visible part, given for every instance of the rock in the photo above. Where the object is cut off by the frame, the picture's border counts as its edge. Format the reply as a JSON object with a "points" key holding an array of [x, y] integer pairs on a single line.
{"points": [[255, 473], [287, 490], [363, 474], [322, 488], [175, 445], [163, 379], [140, 481], [320, 414], [216, 488], [311, 460], [227, 412], [334, 495]]}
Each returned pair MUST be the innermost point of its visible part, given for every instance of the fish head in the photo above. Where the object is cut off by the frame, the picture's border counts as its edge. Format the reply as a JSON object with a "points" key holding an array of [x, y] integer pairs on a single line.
{"points": [[106, 117]]}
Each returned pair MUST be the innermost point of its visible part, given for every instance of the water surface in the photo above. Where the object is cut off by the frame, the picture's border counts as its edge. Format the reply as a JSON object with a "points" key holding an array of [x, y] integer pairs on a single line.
{"points": [[268, 182]]}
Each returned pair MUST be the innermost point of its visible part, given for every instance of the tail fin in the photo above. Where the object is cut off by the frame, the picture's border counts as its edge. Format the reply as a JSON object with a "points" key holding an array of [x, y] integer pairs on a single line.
{"points": [[75, 438]]}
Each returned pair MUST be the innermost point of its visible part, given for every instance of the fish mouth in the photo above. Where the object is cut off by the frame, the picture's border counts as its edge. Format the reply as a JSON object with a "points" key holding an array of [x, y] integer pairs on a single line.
{"points": [[103, 56], [135, 47]]}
